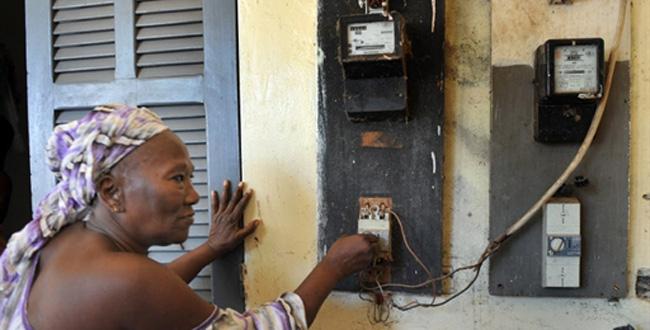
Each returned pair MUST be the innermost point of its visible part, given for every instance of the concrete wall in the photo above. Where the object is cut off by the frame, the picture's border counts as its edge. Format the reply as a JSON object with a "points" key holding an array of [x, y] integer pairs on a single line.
{"points": [[279, 58]]}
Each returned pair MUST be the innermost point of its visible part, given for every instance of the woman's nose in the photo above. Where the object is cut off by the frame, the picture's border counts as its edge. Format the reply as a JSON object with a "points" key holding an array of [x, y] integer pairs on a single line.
{"points": [[192, 195]]}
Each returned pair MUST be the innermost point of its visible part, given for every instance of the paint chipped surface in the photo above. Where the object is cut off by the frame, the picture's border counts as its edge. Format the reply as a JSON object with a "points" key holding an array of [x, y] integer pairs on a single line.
{"points": [[433, 161], [643, 283], [377, 139], [519, 27]]}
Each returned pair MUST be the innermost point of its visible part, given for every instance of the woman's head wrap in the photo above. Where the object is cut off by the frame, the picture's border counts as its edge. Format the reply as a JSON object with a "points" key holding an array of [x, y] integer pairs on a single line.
{"points": [[77, 153]]}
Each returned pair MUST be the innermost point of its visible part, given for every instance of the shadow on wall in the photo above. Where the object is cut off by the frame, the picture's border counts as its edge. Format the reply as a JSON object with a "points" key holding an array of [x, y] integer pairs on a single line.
{"points": [[14, 168]]}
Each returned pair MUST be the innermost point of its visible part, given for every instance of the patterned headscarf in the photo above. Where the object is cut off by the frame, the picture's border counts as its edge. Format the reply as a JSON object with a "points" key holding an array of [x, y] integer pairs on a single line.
{"points": [[78, 154]]}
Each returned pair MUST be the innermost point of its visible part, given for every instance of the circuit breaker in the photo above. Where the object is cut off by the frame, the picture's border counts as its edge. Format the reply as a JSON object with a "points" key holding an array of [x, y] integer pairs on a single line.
{"points": [[375, 219], [569, 85], [561, 243]]}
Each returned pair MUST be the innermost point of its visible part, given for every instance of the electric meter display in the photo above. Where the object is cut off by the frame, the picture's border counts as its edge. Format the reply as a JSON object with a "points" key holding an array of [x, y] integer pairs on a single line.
{"points": [[576, 69], [371, 38], [569, 75]]}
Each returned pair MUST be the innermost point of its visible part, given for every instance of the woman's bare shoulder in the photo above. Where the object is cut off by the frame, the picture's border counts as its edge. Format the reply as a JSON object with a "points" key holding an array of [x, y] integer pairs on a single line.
{"points": [[124, 290]]}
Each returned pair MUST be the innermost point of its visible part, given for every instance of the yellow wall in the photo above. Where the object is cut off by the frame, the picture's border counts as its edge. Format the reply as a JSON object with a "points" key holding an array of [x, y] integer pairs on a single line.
{"points": [[279, 61]]}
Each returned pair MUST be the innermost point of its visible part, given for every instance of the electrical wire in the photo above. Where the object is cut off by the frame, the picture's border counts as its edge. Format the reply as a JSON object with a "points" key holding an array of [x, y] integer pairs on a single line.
{"points": [[494, 245]]}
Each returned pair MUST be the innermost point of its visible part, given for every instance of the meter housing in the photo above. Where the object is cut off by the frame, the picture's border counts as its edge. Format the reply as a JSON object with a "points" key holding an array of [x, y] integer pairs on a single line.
{"points": [[569, 76], [372, 51]]}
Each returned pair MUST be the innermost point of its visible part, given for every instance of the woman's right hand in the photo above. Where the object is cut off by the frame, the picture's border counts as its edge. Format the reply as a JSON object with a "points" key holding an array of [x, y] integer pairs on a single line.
{"points": [[351, 254], [347, 255]]}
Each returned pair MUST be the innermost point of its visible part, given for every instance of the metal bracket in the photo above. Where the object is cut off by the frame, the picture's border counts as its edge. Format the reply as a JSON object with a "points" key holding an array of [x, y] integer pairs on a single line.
{"points": [[375, 7]]}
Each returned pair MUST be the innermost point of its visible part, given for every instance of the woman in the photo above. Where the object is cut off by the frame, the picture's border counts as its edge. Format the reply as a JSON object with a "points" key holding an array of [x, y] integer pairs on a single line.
{"points": [[125, 185]]}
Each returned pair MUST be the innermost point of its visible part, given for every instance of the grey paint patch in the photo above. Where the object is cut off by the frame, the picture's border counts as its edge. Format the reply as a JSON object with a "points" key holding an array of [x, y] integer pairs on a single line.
{"points": [[521, 170]]}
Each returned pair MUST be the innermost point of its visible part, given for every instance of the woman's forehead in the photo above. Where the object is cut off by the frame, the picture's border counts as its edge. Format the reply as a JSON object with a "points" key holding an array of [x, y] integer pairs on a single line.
{"points": [[163, 151]]}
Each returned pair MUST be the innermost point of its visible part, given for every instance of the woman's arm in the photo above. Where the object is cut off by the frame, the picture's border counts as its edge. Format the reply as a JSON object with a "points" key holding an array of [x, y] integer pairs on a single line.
{"points": [[191, 263], [348, 255]]}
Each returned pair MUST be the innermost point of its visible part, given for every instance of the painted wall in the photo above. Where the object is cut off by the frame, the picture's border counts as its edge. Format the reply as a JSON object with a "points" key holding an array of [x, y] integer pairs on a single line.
{"points": [[279, 60]]}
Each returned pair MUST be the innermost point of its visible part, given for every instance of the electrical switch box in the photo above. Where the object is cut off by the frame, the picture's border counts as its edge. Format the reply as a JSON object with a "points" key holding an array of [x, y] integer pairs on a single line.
{"points": [[375, 219], [569, 84], [373, 51], [368, 55], [561, 243]]}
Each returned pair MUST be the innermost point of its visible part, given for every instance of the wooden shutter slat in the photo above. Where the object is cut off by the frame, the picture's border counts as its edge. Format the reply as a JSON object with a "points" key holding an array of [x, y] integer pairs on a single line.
{"points": [[68, 115], [202, 189], [201, 216], [200, 177], [192, 137], [94, 38], [171, 71], [93, 51], [179, 111], [104, 24], [197, 150], [166, 45], [200, 163], [202, 204], [69, 4], [171, 58], [83, 77], [83, 14], [199, 230], [183, 124], [172, 31], [147, 7], [169, 18], [85, 65]]}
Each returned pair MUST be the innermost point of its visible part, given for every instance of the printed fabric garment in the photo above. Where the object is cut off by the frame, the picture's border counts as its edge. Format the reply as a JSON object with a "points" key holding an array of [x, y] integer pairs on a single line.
{"points": [[285, 313]]}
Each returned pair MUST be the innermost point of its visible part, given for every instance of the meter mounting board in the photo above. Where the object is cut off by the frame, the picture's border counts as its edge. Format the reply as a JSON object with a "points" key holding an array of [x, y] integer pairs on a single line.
{"points": [[398, 158]]}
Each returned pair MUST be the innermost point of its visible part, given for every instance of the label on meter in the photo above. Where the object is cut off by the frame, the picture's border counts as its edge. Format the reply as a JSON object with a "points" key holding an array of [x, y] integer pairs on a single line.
{"points": [[576, 69], [371, 38]]}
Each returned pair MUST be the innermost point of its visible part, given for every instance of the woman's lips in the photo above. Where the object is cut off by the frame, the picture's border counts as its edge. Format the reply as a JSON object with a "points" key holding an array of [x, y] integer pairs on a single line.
{"points": [[189, 217]]}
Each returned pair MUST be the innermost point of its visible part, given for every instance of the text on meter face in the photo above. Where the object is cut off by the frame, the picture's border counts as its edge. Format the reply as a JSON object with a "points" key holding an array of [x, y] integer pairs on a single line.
{"points": [[576, 69], [372, 38]]}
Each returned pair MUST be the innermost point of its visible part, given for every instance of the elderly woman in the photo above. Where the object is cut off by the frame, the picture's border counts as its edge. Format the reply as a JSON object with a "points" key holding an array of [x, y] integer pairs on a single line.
{"points": [[124, 184]]}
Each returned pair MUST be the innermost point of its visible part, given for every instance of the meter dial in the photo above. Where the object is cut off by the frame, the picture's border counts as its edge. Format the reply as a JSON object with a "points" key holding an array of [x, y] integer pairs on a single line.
{"points": [[557, 244], [576, 69]]}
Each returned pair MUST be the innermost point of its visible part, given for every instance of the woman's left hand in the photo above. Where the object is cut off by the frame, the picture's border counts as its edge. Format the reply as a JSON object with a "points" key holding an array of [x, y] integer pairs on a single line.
{"points": [[227, 212]]}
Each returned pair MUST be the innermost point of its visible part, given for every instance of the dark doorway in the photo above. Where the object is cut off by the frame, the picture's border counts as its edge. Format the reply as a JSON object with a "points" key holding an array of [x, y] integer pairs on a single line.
{"points": [[13, 111]]}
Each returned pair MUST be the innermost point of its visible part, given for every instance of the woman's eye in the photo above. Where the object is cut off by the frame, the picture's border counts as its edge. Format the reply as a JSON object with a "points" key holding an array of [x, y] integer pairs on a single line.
{"points": [[179, 178]]}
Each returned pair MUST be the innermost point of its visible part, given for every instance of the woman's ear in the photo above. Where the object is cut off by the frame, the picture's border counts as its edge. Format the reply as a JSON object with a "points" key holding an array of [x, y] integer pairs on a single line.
{"points": [[109, 193]]}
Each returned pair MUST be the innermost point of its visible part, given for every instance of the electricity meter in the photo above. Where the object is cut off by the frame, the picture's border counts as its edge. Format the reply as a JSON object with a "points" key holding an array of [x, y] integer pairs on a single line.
{"points": [[569, 85], [372, 52]]}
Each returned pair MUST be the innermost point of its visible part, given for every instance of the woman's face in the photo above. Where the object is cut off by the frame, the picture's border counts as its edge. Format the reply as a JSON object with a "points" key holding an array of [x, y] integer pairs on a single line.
{"points": [[158, 195]]}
